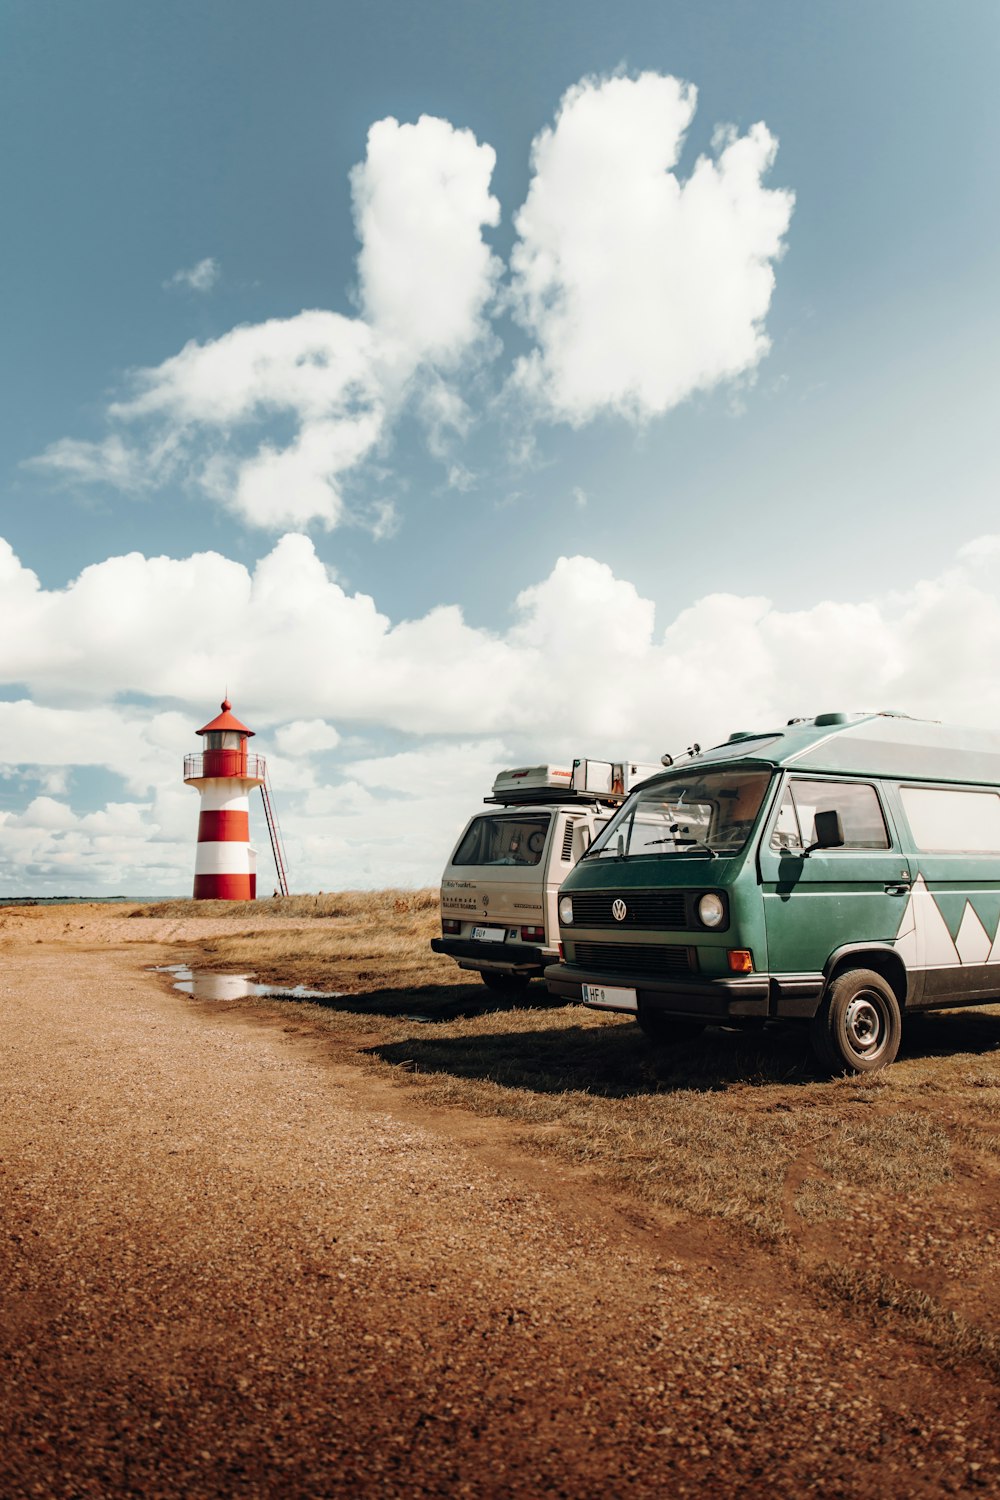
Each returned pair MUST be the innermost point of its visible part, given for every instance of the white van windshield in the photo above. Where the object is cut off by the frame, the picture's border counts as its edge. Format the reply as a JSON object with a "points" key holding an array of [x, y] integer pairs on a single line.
{"points": [[503, 840], [711, 813]]}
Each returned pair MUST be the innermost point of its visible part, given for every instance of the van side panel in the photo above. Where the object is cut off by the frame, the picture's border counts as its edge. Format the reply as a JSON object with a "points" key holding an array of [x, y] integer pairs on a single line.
{"points": [[952, 938]]}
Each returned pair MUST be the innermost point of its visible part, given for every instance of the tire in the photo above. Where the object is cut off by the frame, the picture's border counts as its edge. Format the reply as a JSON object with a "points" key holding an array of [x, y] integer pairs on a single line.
{"points": [[505, 984], [668, 1031], [857, 1028]]}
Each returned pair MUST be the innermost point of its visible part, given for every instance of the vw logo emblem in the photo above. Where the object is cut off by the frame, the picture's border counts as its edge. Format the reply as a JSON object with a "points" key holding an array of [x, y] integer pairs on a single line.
{"points": [[619, 909]]}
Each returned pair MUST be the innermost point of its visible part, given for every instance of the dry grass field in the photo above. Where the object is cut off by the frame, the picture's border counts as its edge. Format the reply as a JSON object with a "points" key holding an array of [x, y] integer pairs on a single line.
{"points": [[409, 1239], [881, 1195]]}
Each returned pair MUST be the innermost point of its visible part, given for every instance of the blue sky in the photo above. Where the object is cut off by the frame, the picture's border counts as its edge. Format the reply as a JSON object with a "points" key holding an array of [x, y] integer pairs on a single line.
{"points": [[750, 403]]}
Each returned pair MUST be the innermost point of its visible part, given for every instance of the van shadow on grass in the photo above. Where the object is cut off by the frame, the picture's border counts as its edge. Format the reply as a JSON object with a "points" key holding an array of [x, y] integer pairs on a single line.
{"points": [[945, 1033], [612, 1062], [619, 1061]]}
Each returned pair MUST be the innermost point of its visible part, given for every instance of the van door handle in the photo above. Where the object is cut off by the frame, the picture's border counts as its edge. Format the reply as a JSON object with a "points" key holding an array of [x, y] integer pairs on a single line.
{"points": [[897, 888]]}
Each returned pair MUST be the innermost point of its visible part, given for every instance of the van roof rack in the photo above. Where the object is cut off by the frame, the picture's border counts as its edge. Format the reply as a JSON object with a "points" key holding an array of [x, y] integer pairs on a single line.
{"points": [[534, 795]]}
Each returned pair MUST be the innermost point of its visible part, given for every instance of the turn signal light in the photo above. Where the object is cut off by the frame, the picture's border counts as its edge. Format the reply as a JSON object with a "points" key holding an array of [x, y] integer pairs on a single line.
{"points": [[740, 960], [533, 934], [450, 927]]}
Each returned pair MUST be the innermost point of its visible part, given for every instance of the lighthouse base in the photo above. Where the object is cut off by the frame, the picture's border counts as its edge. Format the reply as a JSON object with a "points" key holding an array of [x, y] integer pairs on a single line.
{"points": [[225, 887]]}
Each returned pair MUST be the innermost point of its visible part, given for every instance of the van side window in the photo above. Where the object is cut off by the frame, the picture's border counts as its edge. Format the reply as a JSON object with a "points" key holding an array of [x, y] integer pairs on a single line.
{"points": [[786, 833], [858, 805], [952, 822]]}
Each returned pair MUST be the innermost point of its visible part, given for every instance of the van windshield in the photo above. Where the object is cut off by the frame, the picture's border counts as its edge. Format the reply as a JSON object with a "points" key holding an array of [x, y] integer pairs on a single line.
{"points": [[501, 839], [707, 813]]}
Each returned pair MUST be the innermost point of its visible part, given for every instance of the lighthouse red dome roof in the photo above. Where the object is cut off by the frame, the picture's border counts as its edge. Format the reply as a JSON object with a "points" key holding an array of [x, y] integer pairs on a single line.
{"points": [[226, 720]]}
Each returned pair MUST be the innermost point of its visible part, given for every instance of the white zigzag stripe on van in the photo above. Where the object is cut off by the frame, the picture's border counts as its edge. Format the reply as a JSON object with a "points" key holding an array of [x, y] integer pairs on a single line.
{"points": [[923, 940], [973, 941]]}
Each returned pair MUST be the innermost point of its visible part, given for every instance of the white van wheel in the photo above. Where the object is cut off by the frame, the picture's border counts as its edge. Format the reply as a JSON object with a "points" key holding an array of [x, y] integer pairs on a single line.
{"points": [[857, 1029]]}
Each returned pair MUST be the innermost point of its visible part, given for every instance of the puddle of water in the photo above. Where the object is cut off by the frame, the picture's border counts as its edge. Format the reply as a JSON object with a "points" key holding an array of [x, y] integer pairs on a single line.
{"points": [[203, 984], [206, 984]]}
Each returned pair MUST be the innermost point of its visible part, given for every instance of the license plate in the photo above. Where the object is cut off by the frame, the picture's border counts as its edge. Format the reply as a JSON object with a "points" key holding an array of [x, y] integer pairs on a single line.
{"points": [[489, 934], [608, 997]]}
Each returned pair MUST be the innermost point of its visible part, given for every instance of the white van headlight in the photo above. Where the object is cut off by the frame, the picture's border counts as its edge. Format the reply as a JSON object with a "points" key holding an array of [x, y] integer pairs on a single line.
{"points": [[711, 910], [566, 911]]}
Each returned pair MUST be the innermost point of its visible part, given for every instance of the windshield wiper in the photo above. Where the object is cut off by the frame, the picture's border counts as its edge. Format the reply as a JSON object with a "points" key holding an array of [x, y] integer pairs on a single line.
{"points": [[684, 844]]}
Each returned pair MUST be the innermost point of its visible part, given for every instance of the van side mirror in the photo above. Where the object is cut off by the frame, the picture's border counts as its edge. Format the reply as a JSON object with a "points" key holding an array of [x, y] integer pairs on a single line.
{"points": [[829, 832]]}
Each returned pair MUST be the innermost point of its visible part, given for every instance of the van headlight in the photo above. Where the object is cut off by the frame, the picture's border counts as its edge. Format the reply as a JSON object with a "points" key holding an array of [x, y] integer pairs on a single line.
{"points": [[711, 910], [566, 911]]}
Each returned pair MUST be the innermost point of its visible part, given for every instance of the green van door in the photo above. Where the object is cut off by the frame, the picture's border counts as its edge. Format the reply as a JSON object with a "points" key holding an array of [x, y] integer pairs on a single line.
{"points": [[818, 902]]}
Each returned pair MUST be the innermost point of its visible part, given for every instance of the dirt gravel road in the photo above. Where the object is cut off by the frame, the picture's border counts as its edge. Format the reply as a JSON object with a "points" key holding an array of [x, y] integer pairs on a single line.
{"points": [[233, 1267]]}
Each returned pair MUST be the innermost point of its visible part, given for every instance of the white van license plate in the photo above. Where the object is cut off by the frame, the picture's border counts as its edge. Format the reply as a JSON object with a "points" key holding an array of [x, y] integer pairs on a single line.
{"points": [[609, 997], [489, 934]]}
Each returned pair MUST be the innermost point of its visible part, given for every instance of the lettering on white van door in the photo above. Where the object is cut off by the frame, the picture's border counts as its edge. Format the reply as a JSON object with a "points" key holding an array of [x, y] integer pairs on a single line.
{"points": [[924, 940]]}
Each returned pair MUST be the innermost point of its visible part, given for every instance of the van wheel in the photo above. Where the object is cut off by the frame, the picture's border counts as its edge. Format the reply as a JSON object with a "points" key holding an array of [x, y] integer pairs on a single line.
{"points": [[668, 1031], [858, 1027], [505, 984]]}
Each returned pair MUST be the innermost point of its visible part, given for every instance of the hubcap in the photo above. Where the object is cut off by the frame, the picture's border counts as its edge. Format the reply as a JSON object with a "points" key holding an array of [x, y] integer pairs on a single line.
{"points": [[864, 1026]]}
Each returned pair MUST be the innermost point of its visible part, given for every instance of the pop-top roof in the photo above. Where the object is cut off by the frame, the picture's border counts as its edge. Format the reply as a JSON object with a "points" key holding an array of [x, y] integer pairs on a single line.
{"points": [[880, 744], [226, 720]]}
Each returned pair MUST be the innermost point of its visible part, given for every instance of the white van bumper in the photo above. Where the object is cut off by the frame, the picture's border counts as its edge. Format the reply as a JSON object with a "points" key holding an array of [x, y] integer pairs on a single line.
{"points": [[504, 958]]}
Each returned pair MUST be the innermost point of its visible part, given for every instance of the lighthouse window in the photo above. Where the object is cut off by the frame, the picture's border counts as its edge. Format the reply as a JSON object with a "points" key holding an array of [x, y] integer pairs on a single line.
{"points": [[222, 739]]}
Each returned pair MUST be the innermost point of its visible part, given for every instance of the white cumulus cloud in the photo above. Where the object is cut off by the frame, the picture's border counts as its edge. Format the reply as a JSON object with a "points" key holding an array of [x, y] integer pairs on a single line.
{"points": [[640, 286], [637, 286], [583, 650], [421, 199], [109, 461], [584, 667], [197, 278], [207, 414], [306, 736]]}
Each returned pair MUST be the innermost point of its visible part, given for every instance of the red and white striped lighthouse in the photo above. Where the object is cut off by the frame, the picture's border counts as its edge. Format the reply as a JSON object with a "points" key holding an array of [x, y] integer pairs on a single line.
{"points": [[226, 866]]}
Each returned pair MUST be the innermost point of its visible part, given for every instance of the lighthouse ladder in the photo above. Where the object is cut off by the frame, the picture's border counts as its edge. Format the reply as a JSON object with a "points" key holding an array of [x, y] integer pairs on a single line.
{"points": [[277, 848]]}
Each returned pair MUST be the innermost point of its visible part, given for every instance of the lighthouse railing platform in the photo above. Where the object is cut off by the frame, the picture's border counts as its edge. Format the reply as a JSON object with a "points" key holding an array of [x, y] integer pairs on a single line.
{"points": [[225, 763]]}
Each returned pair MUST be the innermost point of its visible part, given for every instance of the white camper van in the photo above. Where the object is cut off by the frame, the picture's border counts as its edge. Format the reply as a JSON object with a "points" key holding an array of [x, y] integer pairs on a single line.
{"points": [[500, 886]]}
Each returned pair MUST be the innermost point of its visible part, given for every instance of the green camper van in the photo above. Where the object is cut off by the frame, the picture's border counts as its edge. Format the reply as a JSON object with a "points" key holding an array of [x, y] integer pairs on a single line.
{"points": [[843, 871]]}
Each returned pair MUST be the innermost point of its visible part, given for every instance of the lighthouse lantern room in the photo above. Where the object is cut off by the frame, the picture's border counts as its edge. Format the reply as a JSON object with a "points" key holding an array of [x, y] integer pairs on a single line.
{"points": [[224, 773]]}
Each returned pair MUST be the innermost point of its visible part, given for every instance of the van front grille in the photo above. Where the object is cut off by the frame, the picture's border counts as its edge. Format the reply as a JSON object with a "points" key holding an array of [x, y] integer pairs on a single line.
{"points": [[642, 909], [633, 958]]}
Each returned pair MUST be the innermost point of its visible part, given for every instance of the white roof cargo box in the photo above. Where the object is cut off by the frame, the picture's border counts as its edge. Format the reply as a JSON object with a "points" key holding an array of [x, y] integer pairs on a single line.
{"points": [[610, 778], [533, 779], [587, 781]]}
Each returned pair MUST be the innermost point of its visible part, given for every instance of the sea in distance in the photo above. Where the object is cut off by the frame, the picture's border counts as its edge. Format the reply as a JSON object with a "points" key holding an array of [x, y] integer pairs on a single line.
{"points": [[81, 900]]}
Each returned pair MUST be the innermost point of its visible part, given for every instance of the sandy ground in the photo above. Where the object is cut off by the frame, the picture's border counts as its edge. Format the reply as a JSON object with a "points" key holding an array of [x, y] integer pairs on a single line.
{"points": [[232, 1265]]}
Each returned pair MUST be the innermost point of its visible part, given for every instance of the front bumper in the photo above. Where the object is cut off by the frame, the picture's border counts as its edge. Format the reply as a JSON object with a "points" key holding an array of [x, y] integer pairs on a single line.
{"points": [[505, 958], [738, 998]]}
